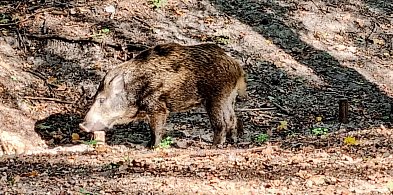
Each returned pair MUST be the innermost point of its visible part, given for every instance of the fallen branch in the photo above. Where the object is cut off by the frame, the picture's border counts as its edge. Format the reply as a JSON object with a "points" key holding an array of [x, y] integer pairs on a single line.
{"points": [[89, 39], [254, 109], [48, 99], [244, 110]]}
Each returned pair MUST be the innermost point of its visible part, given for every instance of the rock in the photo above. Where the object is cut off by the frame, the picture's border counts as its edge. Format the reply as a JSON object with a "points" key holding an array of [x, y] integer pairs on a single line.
{"points": [[181, 144], [11, 143], [17, 135]]}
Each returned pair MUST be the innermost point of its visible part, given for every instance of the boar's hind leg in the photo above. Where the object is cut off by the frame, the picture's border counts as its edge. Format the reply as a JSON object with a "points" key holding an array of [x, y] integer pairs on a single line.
{"points": [[157, 126], [222, 118], [230, 118]]}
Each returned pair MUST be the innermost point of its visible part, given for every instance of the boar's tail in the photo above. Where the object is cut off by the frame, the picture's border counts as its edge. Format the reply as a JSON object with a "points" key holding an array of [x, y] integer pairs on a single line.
{"points": [[241, 85]]}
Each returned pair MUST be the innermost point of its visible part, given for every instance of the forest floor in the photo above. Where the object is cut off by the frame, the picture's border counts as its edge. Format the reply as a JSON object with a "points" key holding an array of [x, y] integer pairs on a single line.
{"points": [[301, 57]]}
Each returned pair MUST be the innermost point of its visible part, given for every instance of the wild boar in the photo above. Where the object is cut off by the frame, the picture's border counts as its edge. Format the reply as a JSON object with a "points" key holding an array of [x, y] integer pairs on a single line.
{"points": [[170, 78]]}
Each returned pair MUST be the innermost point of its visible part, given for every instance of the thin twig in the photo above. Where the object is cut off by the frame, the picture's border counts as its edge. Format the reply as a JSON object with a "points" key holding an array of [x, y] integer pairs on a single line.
{"points": [[41, 77], [8, 24], [372, 32], [36, 74], [320, 9], [48, 99], [21, 40], [281, 108]]}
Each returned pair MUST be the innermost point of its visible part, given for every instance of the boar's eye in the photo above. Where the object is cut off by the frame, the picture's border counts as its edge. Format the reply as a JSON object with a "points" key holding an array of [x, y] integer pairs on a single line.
{"points": [[101, 100]]}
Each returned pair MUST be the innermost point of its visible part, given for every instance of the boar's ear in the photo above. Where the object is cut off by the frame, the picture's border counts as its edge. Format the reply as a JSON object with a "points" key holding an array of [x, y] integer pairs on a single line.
{"points": [[117, 84]]}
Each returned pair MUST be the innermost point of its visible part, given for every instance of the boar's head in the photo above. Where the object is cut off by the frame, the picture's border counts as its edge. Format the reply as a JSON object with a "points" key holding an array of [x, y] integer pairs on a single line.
{"points": [[111, 105]]}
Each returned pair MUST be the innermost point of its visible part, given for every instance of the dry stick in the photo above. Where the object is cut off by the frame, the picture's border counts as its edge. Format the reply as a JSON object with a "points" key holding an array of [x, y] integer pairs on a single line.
{"points": [[281, 108], [343, 111], [244, 110], [8, 24], [319, 8], [87, 39], [48, 99]]}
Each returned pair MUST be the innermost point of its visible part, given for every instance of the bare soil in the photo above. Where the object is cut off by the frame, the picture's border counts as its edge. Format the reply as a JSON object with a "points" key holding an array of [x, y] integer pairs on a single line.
{"points": [[301, 58]]}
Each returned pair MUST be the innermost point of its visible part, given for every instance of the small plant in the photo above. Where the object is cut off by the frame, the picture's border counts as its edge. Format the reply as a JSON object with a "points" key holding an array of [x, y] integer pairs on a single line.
{"points": [[222, 40], [42, 126], [166, 143], [319, 131], [91, 143], [102, 32], [84, 192], [262, 138], [105, 30], [4, 19], [158, 3], [127, 159]]}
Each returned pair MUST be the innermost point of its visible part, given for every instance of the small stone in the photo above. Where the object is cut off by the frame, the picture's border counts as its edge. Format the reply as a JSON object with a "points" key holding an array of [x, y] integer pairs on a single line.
{"points": [[72, 11], [110, 9], [181, 144], [309, 183]]}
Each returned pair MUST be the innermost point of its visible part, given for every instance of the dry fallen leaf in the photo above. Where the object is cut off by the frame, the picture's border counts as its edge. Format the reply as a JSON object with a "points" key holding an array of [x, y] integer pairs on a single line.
{"points": [[33, 174], [340, 47], [75, 136], [318, 179], [178, 12], [51, 80], [379, 41], [269, 42], [61, 87], [283, 125], [303, 174], [350, 141], [30, 174], [101, 148], [16, 178], [390, 186]]}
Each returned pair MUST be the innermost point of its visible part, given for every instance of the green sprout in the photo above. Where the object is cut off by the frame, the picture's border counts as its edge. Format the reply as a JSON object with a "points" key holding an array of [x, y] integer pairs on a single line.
{"points": [[262, 138], [166, 143], [319, 131], [158, 3]]}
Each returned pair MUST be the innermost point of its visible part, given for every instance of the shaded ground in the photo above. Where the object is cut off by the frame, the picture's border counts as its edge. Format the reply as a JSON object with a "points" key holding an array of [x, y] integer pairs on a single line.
{"points": [[301, 58], [317, 167]]}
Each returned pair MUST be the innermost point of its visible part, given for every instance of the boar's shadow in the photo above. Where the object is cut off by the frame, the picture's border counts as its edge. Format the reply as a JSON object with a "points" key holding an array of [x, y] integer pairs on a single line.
{"points": [[57, 130]]}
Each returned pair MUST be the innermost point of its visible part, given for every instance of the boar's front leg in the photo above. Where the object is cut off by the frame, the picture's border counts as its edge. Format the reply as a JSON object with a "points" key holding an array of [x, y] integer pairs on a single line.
{"points": [[157, 120]]}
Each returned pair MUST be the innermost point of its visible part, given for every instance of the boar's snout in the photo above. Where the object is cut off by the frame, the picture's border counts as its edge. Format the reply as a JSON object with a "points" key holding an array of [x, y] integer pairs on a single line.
{"points": [[97, 126]]}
